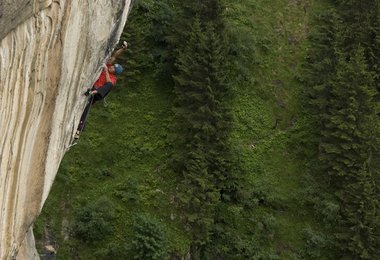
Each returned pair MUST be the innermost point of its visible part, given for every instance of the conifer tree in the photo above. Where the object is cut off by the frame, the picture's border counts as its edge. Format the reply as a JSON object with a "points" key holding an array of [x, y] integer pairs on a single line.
{"points": [[202, 160], [357, 17], [342, 81], [194, 112], [136, 34], [346, 146], [319, 70]]}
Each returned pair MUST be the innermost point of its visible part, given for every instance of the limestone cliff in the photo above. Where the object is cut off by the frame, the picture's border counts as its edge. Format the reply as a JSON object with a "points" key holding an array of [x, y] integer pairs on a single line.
{"points": [[50, 52]]}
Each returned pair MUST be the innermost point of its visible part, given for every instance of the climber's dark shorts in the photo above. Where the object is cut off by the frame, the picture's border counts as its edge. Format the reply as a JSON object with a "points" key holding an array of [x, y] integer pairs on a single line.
{"points": [[102, 92]]}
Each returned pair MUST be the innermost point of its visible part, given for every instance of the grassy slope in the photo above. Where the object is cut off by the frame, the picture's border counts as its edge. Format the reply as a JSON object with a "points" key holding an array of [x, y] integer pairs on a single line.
{"points": [[123, 149], [125, 145], [278, 31]]}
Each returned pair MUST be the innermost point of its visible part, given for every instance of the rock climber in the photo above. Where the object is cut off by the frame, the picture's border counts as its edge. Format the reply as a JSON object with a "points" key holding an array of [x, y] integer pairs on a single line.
{"points": [[102, 86], [108, 77]]}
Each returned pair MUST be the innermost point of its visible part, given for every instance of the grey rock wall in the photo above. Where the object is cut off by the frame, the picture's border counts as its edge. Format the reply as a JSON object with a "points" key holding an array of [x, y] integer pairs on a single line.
{"points": [[12, 13], [50, 52]]}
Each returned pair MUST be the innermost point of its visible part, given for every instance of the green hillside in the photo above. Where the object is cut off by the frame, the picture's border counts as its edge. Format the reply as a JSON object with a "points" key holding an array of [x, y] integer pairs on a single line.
{"points": [[248, 177]]}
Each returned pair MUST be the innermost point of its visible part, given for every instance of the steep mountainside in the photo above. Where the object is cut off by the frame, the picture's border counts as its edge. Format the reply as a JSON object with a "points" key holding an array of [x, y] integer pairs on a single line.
{"points": [[244, 129], [124, 153]]}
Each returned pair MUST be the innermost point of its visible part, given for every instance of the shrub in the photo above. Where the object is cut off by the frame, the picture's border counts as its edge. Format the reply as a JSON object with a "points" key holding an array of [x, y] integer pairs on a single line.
{"points": [[149, 239], [315, 242], [93, 221], [127, 191]]}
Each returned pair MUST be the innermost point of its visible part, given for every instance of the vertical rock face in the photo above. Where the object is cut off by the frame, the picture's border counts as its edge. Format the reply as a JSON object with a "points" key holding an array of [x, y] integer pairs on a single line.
{"points": [[50, 52]]}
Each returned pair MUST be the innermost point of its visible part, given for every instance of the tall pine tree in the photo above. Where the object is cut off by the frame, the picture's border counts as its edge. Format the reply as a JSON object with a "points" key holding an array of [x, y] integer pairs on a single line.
{"points": [[343, 82], [203, 159], [346, 147], [195, 113]]}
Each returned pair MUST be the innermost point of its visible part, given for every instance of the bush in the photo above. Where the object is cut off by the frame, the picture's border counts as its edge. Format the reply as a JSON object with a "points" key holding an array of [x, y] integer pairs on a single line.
{"points": [[149, 240], [93, 221], [315, 243], [127, 191]]}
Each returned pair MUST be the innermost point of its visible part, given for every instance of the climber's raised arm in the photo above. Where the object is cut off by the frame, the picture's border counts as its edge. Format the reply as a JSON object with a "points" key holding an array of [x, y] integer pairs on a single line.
{"points": [[117, 53]]}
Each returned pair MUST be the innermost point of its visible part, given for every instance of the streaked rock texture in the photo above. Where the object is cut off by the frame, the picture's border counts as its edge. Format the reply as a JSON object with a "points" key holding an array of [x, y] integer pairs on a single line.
{"points": [[50, 52], [13, 13]]}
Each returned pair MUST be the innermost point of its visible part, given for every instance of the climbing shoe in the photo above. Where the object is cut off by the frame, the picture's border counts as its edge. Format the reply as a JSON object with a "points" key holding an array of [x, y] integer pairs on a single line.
{"points": [[77, 134], [88, 92]]}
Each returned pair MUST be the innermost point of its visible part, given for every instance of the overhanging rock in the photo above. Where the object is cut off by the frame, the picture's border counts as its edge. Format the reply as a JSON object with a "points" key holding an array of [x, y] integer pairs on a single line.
{"points": [[50, 52]]}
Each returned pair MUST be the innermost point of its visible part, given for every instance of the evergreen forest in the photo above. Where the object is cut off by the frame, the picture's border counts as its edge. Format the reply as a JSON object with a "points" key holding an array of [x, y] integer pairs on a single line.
{"points": [[244, 129]]}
